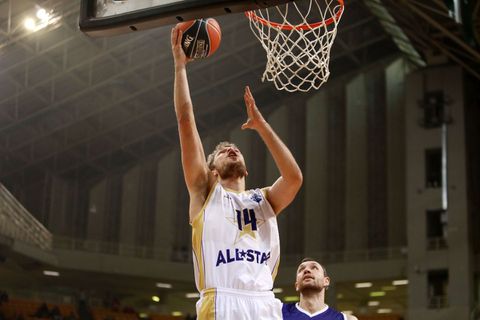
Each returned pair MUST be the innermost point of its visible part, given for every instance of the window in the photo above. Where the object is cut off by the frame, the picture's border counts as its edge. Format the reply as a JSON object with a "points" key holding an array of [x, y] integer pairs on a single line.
{"points": [[437, 289], [433, 168], [433, 105], [436, 229]]}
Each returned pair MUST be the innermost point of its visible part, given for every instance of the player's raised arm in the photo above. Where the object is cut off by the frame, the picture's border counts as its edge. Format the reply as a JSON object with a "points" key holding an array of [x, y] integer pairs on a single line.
{"points": [[283, 191], [193, 157]]}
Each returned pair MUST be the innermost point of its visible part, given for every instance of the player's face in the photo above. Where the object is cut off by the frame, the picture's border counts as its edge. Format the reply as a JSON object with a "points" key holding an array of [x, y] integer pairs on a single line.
{"points": [[310, 276], [229, 163]]}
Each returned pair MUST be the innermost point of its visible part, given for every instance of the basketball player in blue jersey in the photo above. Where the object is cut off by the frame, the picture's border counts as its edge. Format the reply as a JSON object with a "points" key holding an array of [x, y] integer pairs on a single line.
{"points": [[311, 282], [235, 238]]}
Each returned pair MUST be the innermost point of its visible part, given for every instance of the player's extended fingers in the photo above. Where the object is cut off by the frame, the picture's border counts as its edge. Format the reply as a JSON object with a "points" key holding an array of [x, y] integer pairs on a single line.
{"points": [[249, 93], [248, 104], [249, 97]]}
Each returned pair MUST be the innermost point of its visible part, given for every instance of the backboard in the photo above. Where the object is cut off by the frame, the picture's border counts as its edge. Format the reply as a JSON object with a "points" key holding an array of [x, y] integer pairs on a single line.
{"points": [[111, 17]]}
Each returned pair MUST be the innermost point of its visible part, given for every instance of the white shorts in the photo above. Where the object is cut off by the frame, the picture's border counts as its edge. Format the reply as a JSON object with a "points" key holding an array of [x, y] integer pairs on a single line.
{"points": [[232, 304]]}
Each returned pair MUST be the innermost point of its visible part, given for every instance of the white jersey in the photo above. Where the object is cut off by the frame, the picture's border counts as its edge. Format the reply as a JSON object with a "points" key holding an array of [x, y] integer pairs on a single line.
{"points": [[235, 241]]}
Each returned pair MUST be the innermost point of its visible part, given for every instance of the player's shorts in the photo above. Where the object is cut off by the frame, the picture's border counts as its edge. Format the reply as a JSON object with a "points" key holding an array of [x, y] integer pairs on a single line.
{"points": [[232, 304]]}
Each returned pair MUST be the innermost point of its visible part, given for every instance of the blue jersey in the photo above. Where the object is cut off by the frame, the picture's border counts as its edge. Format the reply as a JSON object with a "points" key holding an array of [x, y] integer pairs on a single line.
{"points": [[291, 311]]}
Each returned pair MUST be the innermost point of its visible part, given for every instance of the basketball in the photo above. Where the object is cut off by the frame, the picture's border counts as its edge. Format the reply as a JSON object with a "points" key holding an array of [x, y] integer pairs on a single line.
{"points": [[201, 37]]}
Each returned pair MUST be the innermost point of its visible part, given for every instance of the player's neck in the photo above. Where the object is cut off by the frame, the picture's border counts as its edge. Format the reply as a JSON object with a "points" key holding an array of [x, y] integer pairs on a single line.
{"points": [[235, 184], [313, 302]]}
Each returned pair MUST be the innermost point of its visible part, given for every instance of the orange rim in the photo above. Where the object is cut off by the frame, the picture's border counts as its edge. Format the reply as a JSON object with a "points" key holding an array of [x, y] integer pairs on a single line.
{"points": [[304, 26]]}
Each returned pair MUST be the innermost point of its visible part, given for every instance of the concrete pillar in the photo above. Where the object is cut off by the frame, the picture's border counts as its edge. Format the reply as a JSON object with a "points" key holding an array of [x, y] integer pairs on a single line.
{"points": [[315, 175], [377, 189], [395, 75], [356, 166], [128, 217], [336, 164], [57, 213], [168, 178], [96, 211], [456, 258]]}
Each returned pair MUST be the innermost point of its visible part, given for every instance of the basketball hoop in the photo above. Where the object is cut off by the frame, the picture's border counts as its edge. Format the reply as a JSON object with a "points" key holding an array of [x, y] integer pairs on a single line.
{"points": [[297, 37]]}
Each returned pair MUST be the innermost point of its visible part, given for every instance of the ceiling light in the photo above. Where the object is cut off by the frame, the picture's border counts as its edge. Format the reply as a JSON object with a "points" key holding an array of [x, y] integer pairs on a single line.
{"points": [[389, 288], [192, 295], [291, 299], [363, 285], [277, 290], [51, 273], [373, 303], [164, 285], [400, 282], [377, 293], [42, 14], [385, 310], [143, 315], [29, 24], [339, 296], [156, 298], [177, 313]]}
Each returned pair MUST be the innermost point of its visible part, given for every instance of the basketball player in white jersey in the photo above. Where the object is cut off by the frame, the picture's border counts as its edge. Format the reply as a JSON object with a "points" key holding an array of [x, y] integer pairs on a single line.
{"points": [[234, 231], [311, 282]]}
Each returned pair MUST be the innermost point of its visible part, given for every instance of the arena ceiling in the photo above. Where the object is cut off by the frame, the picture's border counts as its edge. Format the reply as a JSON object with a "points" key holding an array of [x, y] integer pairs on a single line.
{"points": [[74, 106]]}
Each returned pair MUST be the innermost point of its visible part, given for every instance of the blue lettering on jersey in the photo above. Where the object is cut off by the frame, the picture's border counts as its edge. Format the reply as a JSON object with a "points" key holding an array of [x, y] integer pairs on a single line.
{"points": [[255, 197], [232, 255], [248, 218]]}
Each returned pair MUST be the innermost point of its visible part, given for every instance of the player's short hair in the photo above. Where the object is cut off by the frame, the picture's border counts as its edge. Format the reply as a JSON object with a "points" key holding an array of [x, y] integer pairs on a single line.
{"points": [[307, 259], [220, 146]]}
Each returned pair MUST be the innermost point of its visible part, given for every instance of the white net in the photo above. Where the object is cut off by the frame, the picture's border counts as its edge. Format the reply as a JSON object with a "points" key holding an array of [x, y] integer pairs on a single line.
{"points": [[297, 37]]}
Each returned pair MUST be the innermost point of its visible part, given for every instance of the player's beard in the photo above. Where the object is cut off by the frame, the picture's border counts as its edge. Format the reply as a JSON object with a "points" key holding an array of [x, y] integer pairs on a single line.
{"points": [[310, 288], [233, 169]]}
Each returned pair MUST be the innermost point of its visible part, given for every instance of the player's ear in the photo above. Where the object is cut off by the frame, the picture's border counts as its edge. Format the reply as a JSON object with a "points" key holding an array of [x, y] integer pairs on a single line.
{"points": [[296, 286], [326, 281]]}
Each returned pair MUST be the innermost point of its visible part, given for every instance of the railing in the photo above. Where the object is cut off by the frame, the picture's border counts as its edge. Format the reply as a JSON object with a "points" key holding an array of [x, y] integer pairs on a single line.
{"points": [[437, 302], [184, 255], [113, 248], [438, 243], [17, 223], [351, 255]]}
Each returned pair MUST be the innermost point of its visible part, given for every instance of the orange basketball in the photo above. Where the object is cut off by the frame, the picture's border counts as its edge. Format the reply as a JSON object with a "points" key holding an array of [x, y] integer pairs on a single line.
{"points": [[201, 37]]}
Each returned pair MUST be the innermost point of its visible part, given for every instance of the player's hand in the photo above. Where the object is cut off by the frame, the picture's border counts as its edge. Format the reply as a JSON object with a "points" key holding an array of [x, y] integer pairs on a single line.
{"points": [[255, 119], [177, 50]]}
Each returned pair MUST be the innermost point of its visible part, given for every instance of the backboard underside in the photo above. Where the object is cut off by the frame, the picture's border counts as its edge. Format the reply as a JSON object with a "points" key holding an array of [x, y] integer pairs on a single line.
{"points": [[100, 18]]}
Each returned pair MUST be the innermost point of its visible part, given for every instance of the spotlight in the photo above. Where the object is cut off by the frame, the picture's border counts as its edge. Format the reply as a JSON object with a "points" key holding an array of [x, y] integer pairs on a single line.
{"points": [[42, 14], [51, 273], [385, 310], [400, 282], [29, 24], [363, 285], [164, 285]]}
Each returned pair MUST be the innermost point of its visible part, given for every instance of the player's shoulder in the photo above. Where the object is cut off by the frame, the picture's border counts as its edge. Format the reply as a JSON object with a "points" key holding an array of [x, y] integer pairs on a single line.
{"points": [[335, 314], [288, 308]]}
